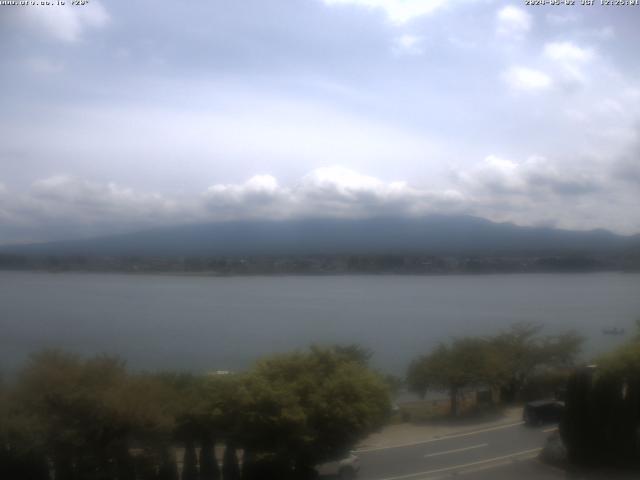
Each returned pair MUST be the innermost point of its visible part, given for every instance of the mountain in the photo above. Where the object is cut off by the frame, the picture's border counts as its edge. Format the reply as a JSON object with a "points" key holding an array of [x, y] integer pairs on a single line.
{"points": [[437, 235]]}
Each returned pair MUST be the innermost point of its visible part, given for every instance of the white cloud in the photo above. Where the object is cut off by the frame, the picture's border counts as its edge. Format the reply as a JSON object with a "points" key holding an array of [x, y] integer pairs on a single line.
{"points": [[561, 19], [408, 45], [71, 198], [513, 22], [567, 52], [570, 62], [326, 192], [533, 178], [533, 191], [526, 79], [63, 23], [398, 11], [64, 206]]}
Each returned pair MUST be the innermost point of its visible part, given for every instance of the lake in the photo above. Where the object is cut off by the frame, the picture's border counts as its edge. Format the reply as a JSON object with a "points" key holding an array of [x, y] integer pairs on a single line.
{"points": [[213, 323]]}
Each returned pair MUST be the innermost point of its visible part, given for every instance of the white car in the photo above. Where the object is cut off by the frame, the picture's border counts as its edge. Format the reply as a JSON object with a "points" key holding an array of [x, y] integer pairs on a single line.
{"points": [[344, 469]]}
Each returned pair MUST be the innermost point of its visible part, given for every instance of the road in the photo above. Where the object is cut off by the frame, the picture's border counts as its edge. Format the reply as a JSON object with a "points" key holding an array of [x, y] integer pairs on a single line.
{"points": [[504, 451]]}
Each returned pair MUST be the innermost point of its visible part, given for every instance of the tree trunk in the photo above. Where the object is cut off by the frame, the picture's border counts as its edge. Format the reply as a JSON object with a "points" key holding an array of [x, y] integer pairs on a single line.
{"points": [[230, 468], [454, 401], [209, 469], [190, 462], [168, 467]]}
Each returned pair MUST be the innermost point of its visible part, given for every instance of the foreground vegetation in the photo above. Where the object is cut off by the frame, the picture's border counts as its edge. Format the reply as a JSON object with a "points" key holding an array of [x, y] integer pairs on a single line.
{"points": [[601, 424], [513, 364], [77, 419], [68, 418]]}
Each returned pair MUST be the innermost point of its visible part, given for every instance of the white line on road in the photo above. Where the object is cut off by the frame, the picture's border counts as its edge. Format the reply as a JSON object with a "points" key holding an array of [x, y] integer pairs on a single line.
{"points": [[463, 465], [550, 430], [456, 450], [446, 437]]}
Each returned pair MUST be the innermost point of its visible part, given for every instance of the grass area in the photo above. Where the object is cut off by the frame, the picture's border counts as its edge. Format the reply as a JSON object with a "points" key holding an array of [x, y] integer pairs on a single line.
{"points": [[427, 411]]}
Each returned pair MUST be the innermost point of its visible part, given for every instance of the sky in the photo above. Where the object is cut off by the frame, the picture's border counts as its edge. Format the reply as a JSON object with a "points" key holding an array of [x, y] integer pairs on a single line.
{"points": [[119, 116]]}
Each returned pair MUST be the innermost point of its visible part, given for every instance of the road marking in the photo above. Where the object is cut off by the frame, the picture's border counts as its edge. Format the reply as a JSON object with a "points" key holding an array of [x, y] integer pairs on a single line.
{"points": [[550, 430], [446, 437], [456, 450], [463, 465]]}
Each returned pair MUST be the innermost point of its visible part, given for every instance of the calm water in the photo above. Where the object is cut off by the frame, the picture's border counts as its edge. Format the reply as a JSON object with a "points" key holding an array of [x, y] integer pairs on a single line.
{"points": [[225, 323]]}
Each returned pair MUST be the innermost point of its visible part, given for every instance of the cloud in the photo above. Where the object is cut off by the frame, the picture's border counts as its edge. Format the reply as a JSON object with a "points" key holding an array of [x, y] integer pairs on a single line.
{"points": [[627, 167], [325, 192], [398, 11], [562, 19], [64, 206], [567, 52], [526, 79], [534, 177], [513, 22], [74, 200], [408, 45], [259, 196], [569, 60], [534, 191], [65, 23]]}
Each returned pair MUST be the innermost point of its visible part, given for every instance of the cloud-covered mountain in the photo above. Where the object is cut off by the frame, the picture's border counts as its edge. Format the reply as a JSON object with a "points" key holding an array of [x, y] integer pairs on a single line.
{"points": [[437, 234]]}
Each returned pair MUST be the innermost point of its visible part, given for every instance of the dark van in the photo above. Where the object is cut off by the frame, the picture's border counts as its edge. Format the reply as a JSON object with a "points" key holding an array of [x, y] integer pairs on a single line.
{"points": [[542, 411]]}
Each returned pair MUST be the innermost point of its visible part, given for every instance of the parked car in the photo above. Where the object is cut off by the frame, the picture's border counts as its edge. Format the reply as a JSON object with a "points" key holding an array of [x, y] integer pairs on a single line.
{"points": [[344, 469], [542, 411]]}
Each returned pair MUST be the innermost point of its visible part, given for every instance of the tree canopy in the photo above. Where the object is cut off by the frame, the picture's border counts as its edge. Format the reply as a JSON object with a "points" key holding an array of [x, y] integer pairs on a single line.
{"points": [[524, 351], [310, 406], [91, 419], [464, 362], [507, 360]]}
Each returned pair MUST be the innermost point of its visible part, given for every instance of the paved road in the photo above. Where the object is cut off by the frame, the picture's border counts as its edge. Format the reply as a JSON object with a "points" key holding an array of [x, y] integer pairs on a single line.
{"points": [[505, 451]]}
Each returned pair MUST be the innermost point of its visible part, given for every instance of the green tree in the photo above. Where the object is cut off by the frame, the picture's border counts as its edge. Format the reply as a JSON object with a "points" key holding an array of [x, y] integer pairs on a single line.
{"points": [[354, 352], [465, 362], [88, 412], [601, 422], [524, 352], [301, 409]]}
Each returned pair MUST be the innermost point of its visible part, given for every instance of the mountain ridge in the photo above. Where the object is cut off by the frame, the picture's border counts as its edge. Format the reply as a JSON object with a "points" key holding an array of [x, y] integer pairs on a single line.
{"points": [[435, 234]]}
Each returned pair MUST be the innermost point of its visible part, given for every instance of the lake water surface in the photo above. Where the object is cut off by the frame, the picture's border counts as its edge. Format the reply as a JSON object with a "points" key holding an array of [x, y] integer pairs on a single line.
{"points": [[188, 322]]}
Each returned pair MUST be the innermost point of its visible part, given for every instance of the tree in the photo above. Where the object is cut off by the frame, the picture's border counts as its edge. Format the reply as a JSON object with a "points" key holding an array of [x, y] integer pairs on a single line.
{"points": [[88, 412], [601, 422], [301, 409], [524, 351], [168, 469], [209, 469], [465, 362], [354, 352], [230, 468], [190, 462], [21, 450], [418, 376]]}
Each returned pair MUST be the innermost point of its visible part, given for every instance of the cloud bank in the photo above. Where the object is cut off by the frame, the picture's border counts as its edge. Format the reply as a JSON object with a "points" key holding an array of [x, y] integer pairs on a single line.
{"points": [[531, 192]]}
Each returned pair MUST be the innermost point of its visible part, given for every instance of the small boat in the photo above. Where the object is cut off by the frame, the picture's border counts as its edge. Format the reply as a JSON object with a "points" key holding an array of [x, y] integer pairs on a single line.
{"points": [[613, 331]]}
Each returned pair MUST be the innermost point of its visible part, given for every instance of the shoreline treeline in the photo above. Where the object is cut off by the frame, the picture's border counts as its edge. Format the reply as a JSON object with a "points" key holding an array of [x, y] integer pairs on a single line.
{"points": [[511, 363]]}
